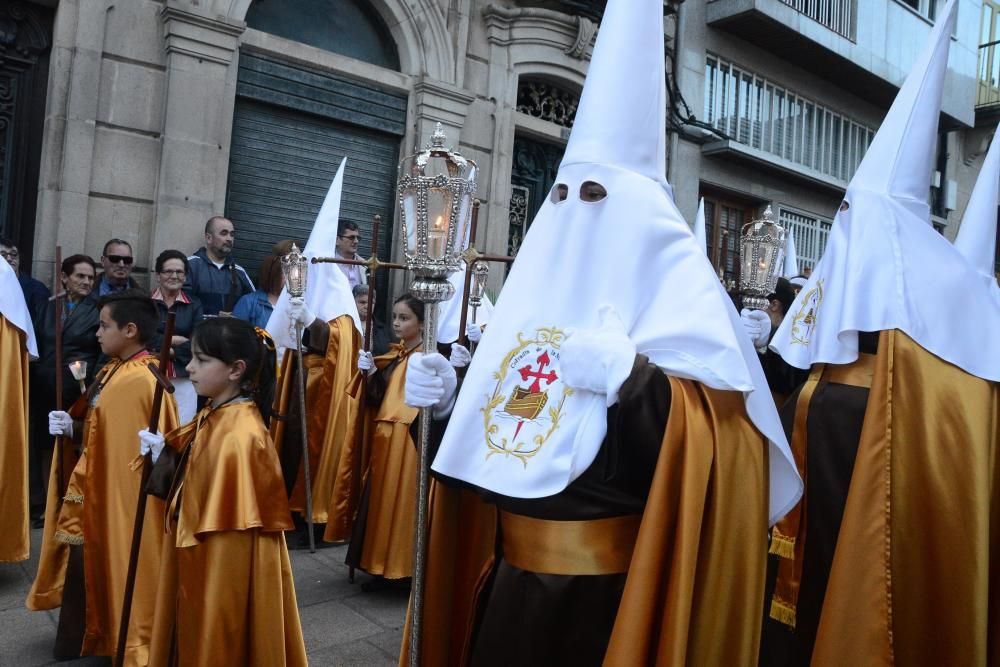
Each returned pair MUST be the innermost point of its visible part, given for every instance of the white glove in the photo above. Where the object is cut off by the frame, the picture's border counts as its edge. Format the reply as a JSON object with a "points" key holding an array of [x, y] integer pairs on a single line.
{"points": [[599, 360], [430, 382], [474, 333], [150, 443], [366, 363], [460, 356], [60, 423], [758, 326], [298, 312]]}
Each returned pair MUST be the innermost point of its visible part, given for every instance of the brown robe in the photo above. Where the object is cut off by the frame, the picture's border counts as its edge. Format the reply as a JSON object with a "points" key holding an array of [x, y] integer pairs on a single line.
{"points": [[689, 461], [902, 518]]}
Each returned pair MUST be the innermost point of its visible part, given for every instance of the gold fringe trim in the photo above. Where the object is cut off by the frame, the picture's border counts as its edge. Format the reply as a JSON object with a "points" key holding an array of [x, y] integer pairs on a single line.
{"points": [[73, 498], [782, 546], [782, 612], [66, 538]]}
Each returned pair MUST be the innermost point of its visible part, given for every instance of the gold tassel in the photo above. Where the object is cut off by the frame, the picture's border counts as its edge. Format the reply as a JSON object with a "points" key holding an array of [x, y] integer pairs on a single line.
{"points": [[783, 613], [73, 498], [782, 546], [66, 538]]}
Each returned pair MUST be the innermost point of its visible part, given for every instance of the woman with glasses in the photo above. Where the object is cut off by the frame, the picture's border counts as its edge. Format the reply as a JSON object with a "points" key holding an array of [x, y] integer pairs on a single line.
{"points": [[171, 269], [257, 306], [80, 319]]}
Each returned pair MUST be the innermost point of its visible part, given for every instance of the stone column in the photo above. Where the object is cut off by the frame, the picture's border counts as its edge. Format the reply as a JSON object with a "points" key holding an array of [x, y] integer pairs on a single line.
{"points": [[201, 62]]}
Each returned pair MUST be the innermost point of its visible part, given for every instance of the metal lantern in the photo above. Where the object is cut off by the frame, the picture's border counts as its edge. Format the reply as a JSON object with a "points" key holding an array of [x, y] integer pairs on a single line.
{"points": [[761, 259], [480, 272], [294, 266], [435, 200]]}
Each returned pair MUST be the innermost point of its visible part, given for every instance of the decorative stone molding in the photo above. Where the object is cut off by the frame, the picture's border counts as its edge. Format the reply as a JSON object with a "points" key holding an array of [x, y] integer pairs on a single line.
{"points": [[199, 36], [22, 36], [547, 101], [573, 35], [442, 102]]}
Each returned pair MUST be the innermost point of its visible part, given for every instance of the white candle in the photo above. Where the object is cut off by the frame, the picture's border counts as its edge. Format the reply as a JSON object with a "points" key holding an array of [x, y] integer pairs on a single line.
{"points": [[436, 239]]}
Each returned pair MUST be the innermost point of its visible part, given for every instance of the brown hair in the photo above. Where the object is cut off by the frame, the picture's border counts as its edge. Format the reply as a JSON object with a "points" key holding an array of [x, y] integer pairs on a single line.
{"points": [[270, 267]]}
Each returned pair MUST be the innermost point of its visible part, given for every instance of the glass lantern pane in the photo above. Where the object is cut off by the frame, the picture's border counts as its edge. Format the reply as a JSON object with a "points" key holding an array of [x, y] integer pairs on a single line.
{"points": [[439, 202], [409, 211]]}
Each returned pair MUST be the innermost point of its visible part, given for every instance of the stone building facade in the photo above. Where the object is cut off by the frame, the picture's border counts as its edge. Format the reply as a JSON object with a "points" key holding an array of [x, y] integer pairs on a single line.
{"points": [[160, 113]]}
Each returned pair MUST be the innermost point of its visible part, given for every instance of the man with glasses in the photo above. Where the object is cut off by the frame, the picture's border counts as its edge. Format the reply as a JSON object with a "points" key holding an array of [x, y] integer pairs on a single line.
{"points": [[35, 293], [117, 263], [348, 235], [213, 276]]}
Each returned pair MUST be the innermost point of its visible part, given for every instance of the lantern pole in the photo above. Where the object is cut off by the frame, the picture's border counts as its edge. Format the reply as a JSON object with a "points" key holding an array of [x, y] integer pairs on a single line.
{"points": [[294, 265], [437, 184]]}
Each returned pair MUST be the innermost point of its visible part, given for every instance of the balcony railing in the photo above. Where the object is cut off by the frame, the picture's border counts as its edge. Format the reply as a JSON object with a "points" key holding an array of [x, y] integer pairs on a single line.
{"points": [[837, 15]]}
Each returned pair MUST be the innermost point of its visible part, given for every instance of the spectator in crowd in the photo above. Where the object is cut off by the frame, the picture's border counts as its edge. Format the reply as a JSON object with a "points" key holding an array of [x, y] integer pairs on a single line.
{"points": [[116, 260], [257, 306], [35, 293], [380, 335], [213, 276], [80, 319], [171, 268], [348, 235]]}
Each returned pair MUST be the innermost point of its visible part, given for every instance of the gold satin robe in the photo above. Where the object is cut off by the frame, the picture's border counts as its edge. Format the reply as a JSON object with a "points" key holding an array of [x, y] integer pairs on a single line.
{"points": [[99, 512], [14, 543], [915, 578], [391, 478], [226, 594], [695, 582], [331, 412]]}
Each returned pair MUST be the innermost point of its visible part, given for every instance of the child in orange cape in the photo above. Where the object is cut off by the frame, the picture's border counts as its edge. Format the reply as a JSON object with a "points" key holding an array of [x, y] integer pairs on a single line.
{"points": [[226, 594]]}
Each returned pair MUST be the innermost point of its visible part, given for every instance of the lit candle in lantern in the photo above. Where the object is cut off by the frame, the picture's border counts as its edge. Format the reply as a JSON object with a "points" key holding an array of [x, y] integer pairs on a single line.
{"points": [[79, 371], [437, 236]]}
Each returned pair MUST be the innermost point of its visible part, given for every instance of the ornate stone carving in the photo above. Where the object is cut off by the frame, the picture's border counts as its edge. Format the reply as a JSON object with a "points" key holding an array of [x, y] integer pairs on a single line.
{"points": [[585, 31], [548, 102], [22, 36]]}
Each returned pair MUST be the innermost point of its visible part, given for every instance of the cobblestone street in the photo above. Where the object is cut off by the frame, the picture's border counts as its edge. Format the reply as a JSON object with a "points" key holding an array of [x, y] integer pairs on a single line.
{"points": [[342, 624]]}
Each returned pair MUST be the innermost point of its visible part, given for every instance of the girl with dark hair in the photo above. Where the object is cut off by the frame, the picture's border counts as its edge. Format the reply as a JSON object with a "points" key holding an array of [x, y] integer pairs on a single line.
{"points": [[382, 542], [226, 594], [171, 269]]}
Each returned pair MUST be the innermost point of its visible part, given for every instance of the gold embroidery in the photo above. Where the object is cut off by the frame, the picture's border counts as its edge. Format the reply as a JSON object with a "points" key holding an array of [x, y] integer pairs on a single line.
{"points": [[804, 322]]}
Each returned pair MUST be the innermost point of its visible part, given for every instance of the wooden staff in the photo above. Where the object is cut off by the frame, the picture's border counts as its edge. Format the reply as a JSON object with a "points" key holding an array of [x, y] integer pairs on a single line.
{"points": [[58, 448], [162, 385]]}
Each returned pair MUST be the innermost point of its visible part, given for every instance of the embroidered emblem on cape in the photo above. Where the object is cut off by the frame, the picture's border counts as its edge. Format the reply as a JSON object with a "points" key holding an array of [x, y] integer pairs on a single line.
{"points": [[804, 322], [519, 416]]}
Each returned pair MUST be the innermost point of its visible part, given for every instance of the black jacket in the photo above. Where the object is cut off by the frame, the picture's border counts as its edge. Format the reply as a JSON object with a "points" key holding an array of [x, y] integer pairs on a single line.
{"points": [[186, 316], [79, 343], [218, 289]]}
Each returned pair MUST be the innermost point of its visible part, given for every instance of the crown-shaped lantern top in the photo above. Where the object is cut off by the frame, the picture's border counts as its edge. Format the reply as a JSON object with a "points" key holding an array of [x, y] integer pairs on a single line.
{"points": [[763, 249], [435, 193]]}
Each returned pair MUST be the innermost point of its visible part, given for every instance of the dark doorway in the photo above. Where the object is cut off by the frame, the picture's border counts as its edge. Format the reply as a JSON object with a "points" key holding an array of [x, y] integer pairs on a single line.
{"points": [[25, 41], [532, 175]]}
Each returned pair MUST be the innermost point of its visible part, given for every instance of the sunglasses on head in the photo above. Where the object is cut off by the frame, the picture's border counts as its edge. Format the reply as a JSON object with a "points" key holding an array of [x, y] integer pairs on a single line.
{"points": [[120, 259]]}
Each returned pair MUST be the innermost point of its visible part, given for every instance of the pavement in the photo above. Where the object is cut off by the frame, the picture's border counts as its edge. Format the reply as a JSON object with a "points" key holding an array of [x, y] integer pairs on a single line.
{"points": [[342, 625]]}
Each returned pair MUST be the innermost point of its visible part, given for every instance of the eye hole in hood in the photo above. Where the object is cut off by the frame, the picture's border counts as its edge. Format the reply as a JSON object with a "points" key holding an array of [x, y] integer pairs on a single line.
{"points": [[592, 192], [559, 193]]}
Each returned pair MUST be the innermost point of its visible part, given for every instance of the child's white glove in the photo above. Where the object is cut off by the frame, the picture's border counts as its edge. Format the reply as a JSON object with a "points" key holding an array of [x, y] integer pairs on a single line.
{"points": [[366, 363], [474, 333], [460, 356], [430, 382], [60, 423], [150, 443]]}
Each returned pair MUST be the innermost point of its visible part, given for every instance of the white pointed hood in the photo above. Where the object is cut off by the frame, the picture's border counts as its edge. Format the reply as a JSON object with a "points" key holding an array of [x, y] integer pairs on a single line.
{"points": [[516, 429], [885, 267], [700, 233], [328, 292], [14, 308], [791, 257], [977, 237]]}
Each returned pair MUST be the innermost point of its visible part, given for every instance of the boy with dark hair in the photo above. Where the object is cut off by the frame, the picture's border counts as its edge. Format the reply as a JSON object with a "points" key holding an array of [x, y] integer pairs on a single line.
{"points": [[86, 543]]}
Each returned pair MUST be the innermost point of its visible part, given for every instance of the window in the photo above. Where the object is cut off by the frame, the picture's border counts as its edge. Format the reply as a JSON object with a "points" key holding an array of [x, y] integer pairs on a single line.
{"points": [[810, 234], [724, 218], [837, 15], [926, 8], [757, 113], [988, 88]]}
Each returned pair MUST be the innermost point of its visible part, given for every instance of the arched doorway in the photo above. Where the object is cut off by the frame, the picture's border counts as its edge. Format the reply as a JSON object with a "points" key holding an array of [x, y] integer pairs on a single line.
{"points": [[293, 123]]}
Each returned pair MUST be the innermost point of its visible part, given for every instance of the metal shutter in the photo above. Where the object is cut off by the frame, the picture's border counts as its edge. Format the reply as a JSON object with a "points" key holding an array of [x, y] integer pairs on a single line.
{"points": [[291, 127]]}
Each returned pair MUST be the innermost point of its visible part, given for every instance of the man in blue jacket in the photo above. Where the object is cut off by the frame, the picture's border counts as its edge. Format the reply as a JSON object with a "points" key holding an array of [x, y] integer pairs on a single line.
{"points": [[213, 276]]}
